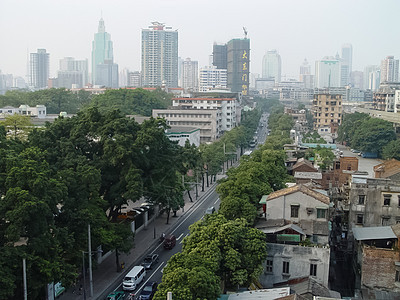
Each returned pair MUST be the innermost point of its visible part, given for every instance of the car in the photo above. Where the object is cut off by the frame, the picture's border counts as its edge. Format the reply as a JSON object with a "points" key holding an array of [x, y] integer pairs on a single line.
{"points": [[149, 261], [148, 291], [116, 295], [210, 210], [169, 242]]}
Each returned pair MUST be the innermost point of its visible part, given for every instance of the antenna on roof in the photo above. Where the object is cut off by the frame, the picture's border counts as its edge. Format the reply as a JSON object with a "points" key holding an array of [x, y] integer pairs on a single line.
{"points": [[245, 32]]}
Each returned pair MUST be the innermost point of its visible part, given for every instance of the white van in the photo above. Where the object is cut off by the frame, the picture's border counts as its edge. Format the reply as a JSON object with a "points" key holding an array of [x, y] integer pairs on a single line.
{"points": [[133, 278]]}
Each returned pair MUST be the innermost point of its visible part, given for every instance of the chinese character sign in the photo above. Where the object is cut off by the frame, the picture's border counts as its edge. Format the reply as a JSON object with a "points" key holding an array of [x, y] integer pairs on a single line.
{"points": [[245, 71]]}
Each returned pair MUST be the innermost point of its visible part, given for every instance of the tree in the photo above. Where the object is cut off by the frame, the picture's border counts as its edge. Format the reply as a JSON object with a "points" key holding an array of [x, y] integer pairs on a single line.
{"points": [[372, 135], [18, 125], [391, 150], [350, 124], [240, 249]]}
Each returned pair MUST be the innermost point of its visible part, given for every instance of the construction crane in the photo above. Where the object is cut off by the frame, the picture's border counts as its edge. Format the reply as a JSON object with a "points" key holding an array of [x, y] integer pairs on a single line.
{"points": [[245, 32]]}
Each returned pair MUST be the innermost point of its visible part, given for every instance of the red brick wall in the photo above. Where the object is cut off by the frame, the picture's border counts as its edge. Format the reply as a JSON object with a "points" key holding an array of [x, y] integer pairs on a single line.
{"points": [[378, 268]]}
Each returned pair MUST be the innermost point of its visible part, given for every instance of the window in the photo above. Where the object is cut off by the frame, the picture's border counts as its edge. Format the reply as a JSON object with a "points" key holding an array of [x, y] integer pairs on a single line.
{"points": [[285, 269], [294, 211], [269, 265], [398, 197], [360, 219], [361, 199], [386, 199], [313, 270], [385, 221], [397, 278], [321, 213]]}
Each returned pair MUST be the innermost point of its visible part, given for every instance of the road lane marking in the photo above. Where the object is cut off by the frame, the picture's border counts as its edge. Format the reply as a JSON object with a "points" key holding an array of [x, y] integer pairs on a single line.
{"points": [[183, 238], [179, 236], [216, 201], [144, 283]]}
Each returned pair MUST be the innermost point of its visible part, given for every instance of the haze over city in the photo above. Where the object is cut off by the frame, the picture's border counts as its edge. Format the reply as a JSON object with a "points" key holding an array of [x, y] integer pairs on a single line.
{"points": [[297, 29]]}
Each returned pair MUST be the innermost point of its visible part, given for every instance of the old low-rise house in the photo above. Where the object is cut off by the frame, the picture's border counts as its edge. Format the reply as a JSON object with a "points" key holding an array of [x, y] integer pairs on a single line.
{"points": [[377, 261], [297, 232], [389, 169]]}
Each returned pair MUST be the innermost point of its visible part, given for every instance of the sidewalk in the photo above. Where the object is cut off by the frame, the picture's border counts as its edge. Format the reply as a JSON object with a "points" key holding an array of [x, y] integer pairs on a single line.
{"points": [[106, 274]]}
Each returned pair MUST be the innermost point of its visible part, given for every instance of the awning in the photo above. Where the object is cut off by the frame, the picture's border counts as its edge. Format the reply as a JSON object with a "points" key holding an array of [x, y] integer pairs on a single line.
{"points": [[373, 233], [281, 228], [263, 199]]}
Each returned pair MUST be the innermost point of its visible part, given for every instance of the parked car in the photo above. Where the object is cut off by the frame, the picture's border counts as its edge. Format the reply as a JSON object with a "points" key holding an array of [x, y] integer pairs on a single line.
{"points": [[169, 241], [148, 291], [116, 295], [149, 261]]}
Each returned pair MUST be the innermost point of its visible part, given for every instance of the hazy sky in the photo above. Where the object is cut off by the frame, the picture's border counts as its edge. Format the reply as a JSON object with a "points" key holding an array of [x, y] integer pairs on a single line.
{"points": [[298, 29]]}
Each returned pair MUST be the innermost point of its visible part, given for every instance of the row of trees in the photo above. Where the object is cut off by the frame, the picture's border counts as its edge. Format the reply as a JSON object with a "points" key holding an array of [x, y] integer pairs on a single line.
{"points": [[128, 101], [224, 251], [79, 171], [366, 134]]}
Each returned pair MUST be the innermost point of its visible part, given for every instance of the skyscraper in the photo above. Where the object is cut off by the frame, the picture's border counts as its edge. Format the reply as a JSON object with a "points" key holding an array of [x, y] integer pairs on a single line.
{"points": [[327, 72], [190, 70], [390, 69], [346, 64], [212, 78], [305, 75], [102, 49], [159, 56], [39, 69], [219, 56], [372, 77], [73, 73], [272, 65], [238, 65]]}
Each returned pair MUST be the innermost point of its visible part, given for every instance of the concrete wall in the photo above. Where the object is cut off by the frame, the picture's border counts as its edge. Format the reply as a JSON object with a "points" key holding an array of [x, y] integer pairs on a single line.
{"points": [[279, 208], [378, 269], [373, 208], [299, 259]]}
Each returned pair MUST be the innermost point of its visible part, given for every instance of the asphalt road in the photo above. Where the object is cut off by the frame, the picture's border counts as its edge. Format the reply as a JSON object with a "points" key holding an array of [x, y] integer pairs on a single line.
{"points": [[181, 231]]}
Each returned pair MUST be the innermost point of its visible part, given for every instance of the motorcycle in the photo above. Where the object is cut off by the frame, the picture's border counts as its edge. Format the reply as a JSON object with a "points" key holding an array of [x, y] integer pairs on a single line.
{"points": [[131, 296]]}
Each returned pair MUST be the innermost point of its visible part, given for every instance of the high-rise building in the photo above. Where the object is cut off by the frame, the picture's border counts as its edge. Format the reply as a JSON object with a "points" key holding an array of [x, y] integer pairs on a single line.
{"points": [[305, 75], [212, 78], [346, 64], [134, 79], [327, 72], [159, 56], [238, 65], [190, 69], [390, 69], [272, 65], [327, 109], [357, 79], [372, 77], [219, 56], [102, 50], [39, 69], [73, 73], [107, 74]]}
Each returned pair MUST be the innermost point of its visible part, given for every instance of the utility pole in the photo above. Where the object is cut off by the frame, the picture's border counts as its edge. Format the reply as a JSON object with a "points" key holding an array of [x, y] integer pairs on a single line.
{"points": [[24, 272], [90, 262]]}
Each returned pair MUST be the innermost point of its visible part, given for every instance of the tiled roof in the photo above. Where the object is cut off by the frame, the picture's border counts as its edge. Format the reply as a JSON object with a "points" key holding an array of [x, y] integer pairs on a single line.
{"points": [[299, 188]]}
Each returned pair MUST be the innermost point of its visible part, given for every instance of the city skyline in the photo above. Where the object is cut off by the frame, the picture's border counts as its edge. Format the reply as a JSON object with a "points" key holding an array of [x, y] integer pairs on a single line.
{"points": [[66, 28]]}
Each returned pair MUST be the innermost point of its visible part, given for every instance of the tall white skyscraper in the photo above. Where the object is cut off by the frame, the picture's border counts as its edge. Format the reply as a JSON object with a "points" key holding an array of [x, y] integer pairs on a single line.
{"points": [[305, 75], [39, 69], [372, 77], [102, 52], [390, 69], [159, 56], [346, 64], [190, 73], [272, 65], [327, 72]]}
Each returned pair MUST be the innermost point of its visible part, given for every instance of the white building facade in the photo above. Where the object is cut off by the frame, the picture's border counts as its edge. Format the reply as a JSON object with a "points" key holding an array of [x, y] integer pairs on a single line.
{"points": [[212, 78], [327, 73]]}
